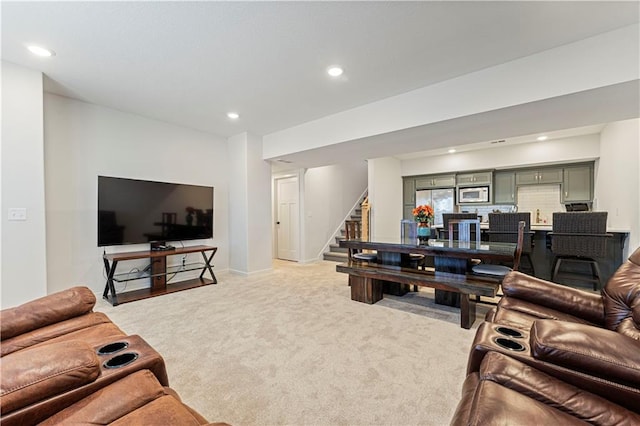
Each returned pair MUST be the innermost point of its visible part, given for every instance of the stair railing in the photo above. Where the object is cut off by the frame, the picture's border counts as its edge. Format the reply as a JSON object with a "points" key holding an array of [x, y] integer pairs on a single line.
{"points": [[365, 219], [336, 232]]}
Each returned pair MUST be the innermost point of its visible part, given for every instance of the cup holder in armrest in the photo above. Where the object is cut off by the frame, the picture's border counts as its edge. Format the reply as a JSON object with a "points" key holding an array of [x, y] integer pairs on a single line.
{"points": [[121, 360], [112, 348], [509, 332], [509, 344]]}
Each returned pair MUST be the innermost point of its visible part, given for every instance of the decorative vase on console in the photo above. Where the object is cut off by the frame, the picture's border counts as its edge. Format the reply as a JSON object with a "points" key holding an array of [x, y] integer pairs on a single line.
{"points": [[423, 215]]}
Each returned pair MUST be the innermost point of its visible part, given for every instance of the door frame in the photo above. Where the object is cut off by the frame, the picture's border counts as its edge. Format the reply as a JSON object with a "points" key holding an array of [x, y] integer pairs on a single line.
{"points": [[299, 175]]}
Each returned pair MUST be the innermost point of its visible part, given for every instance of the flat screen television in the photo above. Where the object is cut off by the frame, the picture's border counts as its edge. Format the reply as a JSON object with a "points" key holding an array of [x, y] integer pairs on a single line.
{"points": [[132, 211]]}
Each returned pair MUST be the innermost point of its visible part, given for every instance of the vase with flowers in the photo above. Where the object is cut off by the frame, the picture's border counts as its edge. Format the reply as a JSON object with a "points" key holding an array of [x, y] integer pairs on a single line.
{"points": [[424, 216]]}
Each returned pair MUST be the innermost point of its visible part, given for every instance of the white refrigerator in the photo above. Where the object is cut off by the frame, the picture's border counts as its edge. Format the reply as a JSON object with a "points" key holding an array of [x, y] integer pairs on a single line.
{"points": [[440, 199]]}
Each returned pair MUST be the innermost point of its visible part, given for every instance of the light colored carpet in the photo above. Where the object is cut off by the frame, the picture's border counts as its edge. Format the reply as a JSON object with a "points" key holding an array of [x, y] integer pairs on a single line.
{"points": [[290, 347]]}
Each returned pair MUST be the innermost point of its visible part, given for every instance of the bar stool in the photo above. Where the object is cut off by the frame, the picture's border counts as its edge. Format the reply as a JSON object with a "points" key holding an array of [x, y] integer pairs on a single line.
{"points": [[579, 238]]}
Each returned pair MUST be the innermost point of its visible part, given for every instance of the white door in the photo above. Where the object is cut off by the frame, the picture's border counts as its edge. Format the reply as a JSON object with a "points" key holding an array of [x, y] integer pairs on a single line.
{"points": [[287, 223]]}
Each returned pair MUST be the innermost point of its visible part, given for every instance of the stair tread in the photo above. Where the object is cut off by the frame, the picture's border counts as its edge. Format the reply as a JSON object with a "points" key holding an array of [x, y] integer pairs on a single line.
{"points": [[335, 257]]}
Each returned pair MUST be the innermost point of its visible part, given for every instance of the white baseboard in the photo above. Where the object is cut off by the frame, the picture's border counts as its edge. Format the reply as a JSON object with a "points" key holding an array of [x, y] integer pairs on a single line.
{"points": [[248, 274]]}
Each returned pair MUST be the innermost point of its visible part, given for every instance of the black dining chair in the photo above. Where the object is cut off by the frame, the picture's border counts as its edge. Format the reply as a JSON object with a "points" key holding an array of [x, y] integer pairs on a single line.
{"points": [[579, 238]]}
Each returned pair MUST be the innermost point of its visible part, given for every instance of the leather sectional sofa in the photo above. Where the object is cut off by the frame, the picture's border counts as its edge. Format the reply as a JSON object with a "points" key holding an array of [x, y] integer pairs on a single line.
{"points": [[63, 316], [550, 354], [506, 391], [63, 363]]}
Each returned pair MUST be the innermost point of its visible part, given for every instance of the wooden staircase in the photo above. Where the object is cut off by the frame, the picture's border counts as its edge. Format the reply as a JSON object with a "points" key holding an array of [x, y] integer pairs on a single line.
{"points": [[336, 253]]}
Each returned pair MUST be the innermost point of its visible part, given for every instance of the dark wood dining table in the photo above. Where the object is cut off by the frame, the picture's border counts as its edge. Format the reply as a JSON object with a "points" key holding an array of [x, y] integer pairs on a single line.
{"points": [[450, 257], [485, 250]]}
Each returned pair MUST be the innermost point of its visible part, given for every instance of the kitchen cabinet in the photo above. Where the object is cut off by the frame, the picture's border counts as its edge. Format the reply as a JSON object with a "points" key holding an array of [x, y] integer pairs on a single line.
{"points": [[470, 179], [408, 197], [436, 181], [577, 183], [539, 176], [504, 188], [409, 191], [407, 211]]}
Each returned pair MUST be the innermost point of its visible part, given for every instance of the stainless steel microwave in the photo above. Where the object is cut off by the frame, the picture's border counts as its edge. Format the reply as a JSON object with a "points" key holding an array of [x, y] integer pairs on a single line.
{"points": [[475, 194]]}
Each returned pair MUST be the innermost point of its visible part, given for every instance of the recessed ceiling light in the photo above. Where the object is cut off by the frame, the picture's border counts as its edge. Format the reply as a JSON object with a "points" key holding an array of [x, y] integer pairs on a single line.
{"points": [[233, 115], [41, 51], [542, 138], [451, 151], [335, 71]]}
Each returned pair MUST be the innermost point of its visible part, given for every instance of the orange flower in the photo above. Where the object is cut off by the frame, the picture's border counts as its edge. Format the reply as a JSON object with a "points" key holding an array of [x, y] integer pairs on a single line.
{"points": [[423, 213]]}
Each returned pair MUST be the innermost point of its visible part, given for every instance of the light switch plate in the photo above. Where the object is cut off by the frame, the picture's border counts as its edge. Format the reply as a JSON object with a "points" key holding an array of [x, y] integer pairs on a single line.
{"points": [[17, 214]]}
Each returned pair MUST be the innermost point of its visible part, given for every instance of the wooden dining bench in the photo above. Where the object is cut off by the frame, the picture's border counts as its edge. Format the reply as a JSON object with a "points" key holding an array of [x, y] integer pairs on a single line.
{"points": [[366, 281]]}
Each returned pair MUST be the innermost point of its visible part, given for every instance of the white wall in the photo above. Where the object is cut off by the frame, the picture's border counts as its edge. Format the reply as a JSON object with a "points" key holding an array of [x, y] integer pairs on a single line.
{"points": [[249, 205], [580, 148], [24, 261], [260, 219], [329, 195], [600, 61], [83, 141], [617, 186], [385, 197], [238, 203]]}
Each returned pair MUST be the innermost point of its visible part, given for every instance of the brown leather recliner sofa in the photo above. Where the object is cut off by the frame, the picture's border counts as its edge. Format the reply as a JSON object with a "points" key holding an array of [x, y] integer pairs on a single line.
{"points": [[136, 399], [58, 355], [62, 316], [145, 398], [617, 308], [578, 338], [507, 392]]}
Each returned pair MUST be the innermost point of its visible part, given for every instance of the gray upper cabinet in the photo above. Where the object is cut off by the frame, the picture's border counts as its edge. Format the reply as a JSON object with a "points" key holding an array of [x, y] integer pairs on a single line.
{"points": [[477, 178], [407, 211], [577, 184], [408, 197], [539, 176], [409, 191], [436, 181], [504, 188]]}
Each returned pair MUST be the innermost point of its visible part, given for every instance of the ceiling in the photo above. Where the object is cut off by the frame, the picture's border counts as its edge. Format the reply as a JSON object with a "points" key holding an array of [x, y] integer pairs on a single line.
{"points": [[576, 114], [189, 63]]}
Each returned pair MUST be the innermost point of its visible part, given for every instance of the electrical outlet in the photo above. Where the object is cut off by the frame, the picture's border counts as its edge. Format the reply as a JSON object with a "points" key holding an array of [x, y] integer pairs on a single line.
{"points": [[16, 214]]}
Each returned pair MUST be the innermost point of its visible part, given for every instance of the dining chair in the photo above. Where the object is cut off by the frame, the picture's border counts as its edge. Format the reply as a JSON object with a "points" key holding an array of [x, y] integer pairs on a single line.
{"points": [[464, 230], [500, 270], [579, 238], [503, 228], [446, 217], [353, 232]]}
